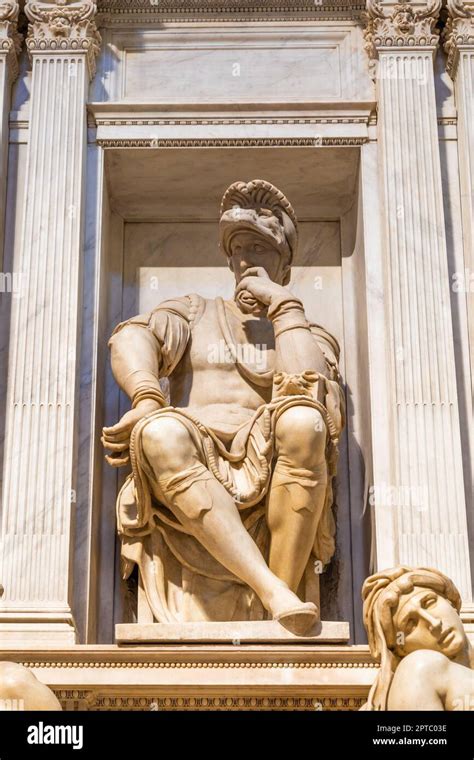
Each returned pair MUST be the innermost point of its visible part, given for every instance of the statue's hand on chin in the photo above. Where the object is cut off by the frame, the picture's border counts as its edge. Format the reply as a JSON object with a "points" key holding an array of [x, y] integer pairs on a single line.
{"points": [[256, 291], [117, 437], [248, 304]]}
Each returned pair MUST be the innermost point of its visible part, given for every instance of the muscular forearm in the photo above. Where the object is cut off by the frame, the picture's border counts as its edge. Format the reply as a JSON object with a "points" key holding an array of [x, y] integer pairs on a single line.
{"points": [[296, 348], [297, 351], [134, 358]]}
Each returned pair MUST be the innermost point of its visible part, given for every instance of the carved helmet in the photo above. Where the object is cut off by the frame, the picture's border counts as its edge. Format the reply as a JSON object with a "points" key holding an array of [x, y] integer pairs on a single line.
{"points": [[259, 207]]}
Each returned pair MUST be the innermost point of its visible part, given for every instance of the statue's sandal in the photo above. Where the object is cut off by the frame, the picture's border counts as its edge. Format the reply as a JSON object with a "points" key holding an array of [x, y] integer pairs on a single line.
{"points": [[299, 620]]}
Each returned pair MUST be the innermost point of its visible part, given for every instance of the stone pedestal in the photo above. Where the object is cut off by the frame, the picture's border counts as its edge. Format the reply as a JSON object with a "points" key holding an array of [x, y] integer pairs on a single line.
{"points": [[251, 632], [203, 676]]}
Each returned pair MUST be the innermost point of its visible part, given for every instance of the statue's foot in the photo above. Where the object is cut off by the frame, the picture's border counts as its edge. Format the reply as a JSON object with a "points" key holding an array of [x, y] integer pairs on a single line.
{"points": [[295, 615], [299, 620]]}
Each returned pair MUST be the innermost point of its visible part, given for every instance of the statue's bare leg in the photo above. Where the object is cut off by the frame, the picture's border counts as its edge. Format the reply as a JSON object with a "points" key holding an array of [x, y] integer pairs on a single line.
{"points": [[297, 491], [206, 509]]}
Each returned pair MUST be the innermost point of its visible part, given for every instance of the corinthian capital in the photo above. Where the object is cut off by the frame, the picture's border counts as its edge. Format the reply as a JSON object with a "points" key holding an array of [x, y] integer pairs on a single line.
{"points": [[458, 32], [63, 26], [401, 25], [10, 39]]}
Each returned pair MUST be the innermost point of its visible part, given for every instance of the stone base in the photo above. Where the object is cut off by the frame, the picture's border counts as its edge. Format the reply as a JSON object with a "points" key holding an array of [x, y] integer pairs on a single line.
{"points": [[236, 632], [41, 628], [289, 676]]}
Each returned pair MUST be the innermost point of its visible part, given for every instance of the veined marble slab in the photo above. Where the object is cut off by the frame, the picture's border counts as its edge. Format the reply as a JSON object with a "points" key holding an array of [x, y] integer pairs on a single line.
{"points": [[236, 632]]}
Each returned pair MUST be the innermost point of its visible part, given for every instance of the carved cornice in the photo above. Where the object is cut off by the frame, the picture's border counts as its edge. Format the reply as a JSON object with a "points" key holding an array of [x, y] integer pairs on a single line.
{"points": [[401, 25], [203, 676], [10, 39], [115, 11], [458, 32], [223, 6], [63, 26], [117, 122], [238, 142]]}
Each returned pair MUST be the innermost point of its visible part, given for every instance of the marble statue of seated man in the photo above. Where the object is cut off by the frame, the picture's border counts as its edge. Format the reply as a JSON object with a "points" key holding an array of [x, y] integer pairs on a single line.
{"points": [[415, 632], [229, 500]]}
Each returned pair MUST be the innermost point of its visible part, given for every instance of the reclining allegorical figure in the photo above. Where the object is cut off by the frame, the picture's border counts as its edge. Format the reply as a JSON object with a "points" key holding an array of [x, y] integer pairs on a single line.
{"points": [[229, 499], [415, 632]]}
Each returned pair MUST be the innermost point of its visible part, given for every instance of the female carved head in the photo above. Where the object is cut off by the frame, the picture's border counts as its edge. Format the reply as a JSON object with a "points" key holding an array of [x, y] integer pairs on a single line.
{"points": [[406, 609]]}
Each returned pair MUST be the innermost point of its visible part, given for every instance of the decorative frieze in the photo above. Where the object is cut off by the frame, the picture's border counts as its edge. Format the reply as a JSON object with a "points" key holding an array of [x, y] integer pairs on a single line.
{"points": [[265, 142], [222, 6], [116, 11], [226, 702]]}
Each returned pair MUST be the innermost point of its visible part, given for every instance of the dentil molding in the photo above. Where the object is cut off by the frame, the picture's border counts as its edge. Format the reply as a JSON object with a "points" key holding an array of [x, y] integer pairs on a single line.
{"points": [[63, 26], [401, 25], [203, 676], [115, 11], [238, 142], [10, 39]]}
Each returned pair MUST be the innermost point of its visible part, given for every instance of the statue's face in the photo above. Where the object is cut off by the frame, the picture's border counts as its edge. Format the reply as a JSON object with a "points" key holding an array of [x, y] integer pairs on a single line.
{"points": [[248, 250], [405, 20], [428, 621]]}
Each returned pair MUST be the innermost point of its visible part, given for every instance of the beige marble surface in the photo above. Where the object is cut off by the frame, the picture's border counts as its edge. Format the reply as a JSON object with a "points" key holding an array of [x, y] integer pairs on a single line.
{"points": [[203, 676], [255, 632], [335, 181]]}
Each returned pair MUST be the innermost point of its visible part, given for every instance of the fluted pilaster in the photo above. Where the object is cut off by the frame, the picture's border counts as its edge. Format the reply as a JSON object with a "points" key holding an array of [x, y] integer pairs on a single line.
{"points": [[427, 515], [10, 44], [459, 45], [39, 486]]}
